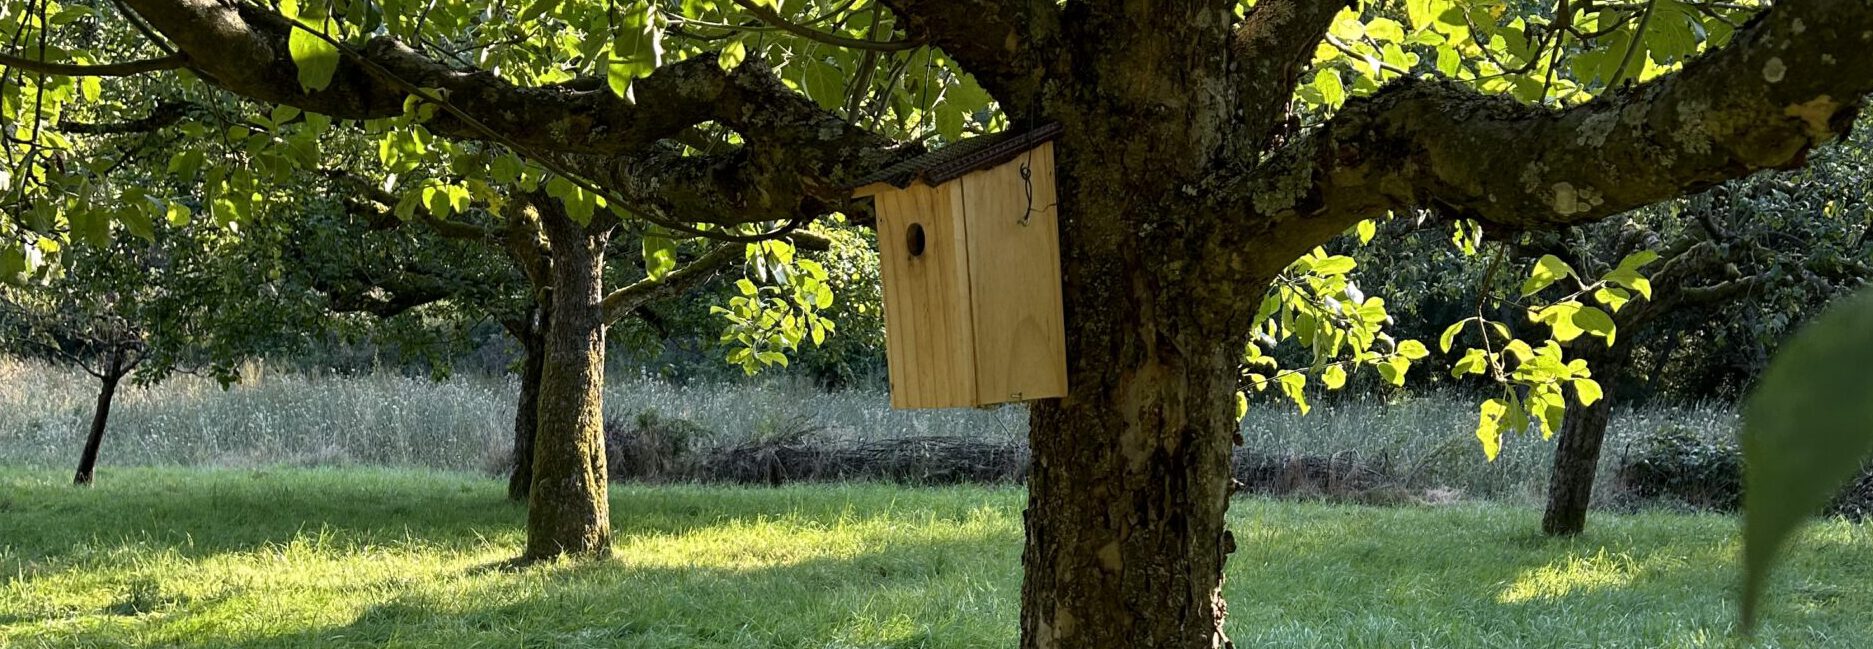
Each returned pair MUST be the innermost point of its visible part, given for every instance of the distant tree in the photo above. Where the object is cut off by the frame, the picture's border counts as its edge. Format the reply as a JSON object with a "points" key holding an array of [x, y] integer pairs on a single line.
{"points": [[143, 309], [1760, 254], [1727, 275], [365, 260]]}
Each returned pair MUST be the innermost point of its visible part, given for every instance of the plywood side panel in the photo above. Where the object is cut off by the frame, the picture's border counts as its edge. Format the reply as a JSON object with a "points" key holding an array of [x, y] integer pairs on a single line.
{"points": [[1020, 333], [929, 342]]}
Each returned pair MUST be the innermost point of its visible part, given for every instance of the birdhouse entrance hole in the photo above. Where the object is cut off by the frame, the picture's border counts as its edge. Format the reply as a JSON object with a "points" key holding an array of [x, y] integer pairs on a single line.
{"points": [[913, 240]]}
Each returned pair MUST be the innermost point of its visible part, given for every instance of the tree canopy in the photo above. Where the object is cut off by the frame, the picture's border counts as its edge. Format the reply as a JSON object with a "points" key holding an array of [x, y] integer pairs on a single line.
{"points": [[1208, 150]]}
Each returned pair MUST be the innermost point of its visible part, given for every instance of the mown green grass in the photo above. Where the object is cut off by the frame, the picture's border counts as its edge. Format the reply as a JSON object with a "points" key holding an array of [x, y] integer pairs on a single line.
{"points": [[400, 558]]}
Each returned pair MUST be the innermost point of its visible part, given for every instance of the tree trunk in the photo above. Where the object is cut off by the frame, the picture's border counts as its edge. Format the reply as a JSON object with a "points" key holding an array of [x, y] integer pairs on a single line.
{"points": [[1577, 452], [568, 513], [1125, 531], [1129, 479], [100, 416], [527, 412]]}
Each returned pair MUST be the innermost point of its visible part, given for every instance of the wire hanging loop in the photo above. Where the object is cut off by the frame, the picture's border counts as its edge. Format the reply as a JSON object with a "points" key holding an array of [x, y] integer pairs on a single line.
{"points": [[1027, 185]]}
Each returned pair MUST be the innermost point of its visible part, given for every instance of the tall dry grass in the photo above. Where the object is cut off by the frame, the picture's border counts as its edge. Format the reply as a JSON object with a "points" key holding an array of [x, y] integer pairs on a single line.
{"points": [[464, 423]]}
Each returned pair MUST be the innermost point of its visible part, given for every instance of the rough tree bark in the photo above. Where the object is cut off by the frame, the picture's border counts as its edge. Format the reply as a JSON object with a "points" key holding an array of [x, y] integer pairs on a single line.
{"points": [[531, 335], [1577, 451], [113, 373], [567, 512]]}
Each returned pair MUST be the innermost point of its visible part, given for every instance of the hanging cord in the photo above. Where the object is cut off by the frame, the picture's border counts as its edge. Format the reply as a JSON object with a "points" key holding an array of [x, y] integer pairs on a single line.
{"points": [[1027, 182], [1027, 165]]}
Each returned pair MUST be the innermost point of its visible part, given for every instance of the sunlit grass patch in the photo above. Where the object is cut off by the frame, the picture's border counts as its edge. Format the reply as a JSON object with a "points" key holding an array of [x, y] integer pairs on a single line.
{"points": [[1571, 575]]}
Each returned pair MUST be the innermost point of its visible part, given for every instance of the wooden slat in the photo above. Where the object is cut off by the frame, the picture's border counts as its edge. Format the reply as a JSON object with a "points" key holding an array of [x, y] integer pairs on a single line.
{"points": [[930, 347], [873, 189], [1020, 334]]}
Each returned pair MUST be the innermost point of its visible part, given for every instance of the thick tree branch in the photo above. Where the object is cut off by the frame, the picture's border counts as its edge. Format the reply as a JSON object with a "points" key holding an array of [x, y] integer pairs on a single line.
{"points": [[127, 68], [1271, 48], [250, 58], [1721, 291], [166, 113], [1008, 46], [384, 295], [794, 166], [623, 301], [1789, 81], [381, 212], [243, 49]]}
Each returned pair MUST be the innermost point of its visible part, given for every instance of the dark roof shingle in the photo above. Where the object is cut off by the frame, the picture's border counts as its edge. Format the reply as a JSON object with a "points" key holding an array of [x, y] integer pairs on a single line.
{"points": [[953, 161]]}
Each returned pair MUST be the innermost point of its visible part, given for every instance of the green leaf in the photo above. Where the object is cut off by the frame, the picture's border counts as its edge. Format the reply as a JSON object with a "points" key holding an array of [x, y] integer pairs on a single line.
{"points": [[1346, 26], [1637, 260], [506, 169], [1548, 270], [1807, 429], [1332, 93], [537, 9], [1334, 377], [1448, 61], [1294, 384], [1489, 426], [1385, 30], [1393, 370], [1551, 407], [1475, 361], [15, 270], [177, 214], [1613, 298], [316, 58], [1588, 391], [186, 164], [1335, 265], [137, 222], [1560, 318], [1413, 350], [1367, 230], [1596, 322], [732, 54], [1631, 279], [1450, 336], [1242, 405], [659, 256]]}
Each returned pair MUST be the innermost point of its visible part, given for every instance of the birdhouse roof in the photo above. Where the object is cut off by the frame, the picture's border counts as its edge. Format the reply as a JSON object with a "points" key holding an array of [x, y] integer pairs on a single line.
{"points": [[956, 160]]}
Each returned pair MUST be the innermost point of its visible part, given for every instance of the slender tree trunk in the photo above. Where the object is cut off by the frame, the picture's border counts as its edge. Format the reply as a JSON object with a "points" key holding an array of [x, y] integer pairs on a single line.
{"points": [[100, 417], [1577, 453], [567, 512], [527, 412]]}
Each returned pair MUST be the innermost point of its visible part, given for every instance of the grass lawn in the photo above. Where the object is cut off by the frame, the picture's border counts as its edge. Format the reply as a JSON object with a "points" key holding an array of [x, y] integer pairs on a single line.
{"points": [[322, 557]]}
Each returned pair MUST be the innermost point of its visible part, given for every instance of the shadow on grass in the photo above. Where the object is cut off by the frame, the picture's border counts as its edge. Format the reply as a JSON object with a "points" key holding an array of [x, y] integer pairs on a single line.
{"points": [[829, 566], [200, 513]]}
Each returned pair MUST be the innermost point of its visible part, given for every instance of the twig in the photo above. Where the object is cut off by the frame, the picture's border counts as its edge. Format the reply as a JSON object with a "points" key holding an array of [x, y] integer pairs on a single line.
{"points": [[124, 69], [774, 18]]}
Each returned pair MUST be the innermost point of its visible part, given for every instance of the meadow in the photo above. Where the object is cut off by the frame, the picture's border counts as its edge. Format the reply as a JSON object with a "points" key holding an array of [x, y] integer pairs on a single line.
{"points": [[412, 558], [301, 510]]}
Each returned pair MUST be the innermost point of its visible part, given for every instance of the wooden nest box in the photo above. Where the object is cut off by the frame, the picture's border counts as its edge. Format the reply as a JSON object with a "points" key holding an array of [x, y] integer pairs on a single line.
{"points": [[969, 247]]}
